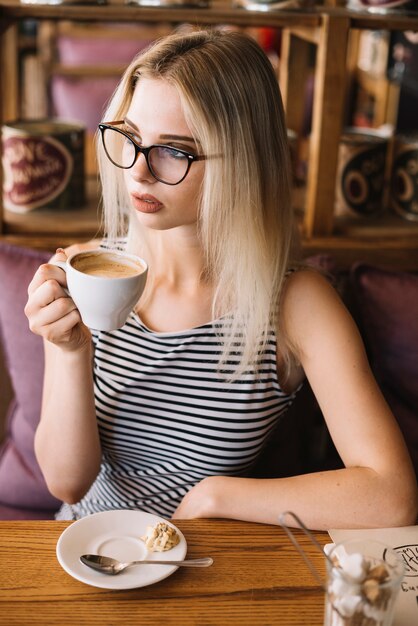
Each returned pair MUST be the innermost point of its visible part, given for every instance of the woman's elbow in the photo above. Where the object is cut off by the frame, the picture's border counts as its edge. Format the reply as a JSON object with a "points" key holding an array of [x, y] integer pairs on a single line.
{"points": [[67, 491], [401, 508], [65, 480]]}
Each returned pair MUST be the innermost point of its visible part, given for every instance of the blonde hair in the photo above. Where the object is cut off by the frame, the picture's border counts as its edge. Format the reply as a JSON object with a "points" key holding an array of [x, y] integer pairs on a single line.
{"points": [[233, 106]]}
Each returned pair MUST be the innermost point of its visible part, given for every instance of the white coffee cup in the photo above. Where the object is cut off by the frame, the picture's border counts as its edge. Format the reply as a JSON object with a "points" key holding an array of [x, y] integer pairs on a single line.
{"points": [[105, 285]]}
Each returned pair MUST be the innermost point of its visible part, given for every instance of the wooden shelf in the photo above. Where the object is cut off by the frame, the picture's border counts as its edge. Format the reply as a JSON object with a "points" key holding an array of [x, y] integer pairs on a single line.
{"points": [[83, 220], [55, 227], [384, 226], [389, 21], [385, 252], [220, 12], [388, 240], [86, 71]]}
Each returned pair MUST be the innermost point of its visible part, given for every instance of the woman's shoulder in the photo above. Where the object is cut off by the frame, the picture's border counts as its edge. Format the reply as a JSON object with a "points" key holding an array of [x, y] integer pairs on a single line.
{"points": [[310, 305], [305, 281]]}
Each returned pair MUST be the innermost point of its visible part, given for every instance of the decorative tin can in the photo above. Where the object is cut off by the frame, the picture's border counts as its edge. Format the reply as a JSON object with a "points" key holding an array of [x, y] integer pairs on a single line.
{"points": [[361, 173], [43, 165], [404, 183], [382, 6]]}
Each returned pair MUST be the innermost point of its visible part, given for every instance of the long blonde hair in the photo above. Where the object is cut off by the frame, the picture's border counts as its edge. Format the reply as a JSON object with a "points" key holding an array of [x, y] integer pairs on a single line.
{"points": [[233, 106]]}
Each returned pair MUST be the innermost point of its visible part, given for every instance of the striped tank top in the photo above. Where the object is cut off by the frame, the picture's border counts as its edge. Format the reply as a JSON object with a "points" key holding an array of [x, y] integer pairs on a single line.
{"points": [[167, 418]]}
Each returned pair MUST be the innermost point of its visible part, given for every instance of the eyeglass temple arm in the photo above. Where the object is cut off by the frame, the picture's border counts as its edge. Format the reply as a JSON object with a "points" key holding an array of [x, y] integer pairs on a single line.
{"points": [[116, 123]]}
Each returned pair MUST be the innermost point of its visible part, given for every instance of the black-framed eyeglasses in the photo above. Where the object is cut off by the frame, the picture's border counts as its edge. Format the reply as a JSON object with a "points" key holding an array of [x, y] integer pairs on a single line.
{"points": [[167, 164]]}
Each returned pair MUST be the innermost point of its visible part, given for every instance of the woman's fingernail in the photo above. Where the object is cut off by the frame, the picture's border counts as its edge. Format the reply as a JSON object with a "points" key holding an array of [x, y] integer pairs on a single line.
{"points": [[59, 250]]}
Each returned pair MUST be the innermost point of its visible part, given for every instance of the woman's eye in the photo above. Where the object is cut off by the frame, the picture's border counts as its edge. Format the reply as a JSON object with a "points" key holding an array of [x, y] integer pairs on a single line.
{"points": [[172, 153]]}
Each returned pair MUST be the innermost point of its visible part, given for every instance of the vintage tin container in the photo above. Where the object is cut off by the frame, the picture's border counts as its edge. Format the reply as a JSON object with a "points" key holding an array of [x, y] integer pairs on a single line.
{"points": [[360, 182], [383, 6], [404, 182], [43, 165]]}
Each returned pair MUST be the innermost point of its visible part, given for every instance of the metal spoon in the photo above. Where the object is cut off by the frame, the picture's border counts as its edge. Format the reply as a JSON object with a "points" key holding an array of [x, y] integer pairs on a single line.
{"points": [[107, 565]]}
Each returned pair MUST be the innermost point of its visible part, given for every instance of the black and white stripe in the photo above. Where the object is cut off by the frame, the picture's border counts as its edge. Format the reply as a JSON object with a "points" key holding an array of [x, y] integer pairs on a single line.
{"points": [[167, 417]]}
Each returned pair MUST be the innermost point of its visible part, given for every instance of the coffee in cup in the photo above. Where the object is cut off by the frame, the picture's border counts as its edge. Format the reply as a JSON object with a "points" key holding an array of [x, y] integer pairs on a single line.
{"points": [[106, 265], [105, 285]]}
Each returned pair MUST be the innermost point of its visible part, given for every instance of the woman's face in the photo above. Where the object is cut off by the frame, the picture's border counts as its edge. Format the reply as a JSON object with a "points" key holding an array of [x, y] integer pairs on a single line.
{"points": [[155, 116]]}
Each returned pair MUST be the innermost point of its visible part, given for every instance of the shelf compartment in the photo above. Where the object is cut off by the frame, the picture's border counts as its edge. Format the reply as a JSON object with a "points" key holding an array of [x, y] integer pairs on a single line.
{"points": [[386, 225], [83, 221], [391, 252], [221, 12]]}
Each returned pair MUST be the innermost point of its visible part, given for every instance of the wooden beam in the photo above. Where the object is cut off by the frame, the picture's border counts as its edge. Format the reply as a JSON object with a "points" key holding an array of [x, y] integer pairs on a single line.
{"points": [[328, 113]]}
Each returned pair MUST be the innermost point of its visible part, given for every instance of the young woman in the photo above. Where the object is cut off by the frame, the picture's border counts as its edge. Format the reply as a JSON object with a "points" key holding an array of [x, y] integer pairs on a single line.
{"points": [[169, 413]]}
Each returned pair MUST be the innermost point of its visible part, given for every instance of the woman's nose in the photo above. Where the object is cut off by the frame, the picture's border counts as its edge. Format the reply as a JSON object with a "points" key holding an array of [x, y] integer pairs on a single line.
{"points": [[140, 170]]}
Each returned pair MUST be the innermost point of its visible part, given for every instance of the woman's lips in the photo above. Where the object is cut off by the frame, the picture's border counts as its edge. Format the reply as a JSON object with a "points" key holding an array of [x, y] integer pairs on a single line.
{"points": [[146, 203]]}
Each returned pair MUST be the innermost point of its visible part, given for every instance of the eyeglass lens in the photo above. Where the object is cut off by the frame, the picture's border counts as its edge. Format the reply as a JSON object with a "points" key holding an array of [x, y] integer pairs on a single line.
{"points": [[167, 164]]}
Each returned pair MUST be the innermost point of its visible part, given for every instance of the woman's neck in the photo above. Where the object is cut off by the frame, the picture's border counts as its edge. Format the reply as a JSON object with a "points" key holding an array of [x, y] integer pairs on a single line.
{"points": [[176, 259], [177, 296]]}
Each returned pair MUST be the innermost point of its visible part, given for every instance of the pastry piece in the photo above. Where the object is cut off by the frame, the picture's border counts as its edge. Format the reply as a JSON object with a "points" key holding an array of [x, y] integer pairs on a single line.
{"points": [[161, 537]]}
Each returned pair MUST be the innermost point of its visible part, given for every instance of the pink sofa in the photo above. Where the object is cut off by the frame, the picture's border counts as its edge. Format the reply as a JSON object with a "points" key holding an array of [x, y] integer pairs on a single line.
{"points": [[23, 493], [384, 302]]}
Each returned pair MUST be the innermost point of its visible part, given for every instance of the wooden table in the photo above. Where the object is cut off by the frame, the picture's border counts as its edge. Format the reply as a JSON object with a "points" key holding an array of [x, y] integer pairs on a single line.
{"points": [[257, 578]]}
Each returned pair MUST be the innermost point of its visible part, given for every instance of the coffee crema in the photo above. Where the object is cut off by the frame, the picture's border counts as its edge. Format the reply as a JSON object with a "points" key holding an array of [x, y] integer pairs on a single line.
{"points": [[107, 265]]}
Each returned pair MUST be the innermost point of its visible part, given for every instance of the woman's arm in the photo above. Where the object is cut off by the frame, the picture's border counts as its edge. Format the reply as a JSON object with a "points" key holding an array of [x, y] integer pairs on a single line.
{"points": [[377, 487], [66, 442]]}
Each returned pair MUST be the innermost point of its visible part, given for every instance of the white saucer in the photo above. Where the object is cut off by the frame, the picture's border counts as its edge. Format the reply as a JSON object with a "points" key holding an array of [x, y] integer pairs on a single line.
{"points": [[116, 534]]}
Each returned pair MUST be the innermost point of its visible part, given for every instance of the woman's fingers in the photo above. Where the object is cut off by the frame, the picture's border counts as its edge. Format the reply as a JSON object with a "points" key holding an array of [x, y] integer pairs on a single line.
{"points": [[44, 273], [47, 292], [61, 330], [48, 302], [48, 271], [51, 312], [44, 309]]}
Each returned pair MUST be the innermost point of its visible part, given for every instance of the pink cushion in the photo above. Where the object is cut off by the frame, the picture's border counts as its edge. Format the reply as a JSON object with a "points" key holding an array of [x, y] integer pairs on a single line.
{"points": [[81, 99], [16, 513], [84, 99], [79, 51], [387, 303], [21, 481]]}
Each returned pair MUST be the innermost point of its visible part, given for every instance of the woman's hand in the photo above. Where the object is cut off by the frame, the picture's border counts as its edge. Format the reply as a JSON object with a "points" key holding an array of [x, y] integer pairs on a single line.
{"points": [[51, 312]]}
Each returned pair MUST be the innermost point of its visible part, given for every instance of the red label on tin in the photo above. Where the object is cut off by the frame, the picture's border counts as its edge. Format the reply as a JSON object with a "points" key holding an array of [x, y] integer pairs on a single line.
{"points": [[36, 170]]}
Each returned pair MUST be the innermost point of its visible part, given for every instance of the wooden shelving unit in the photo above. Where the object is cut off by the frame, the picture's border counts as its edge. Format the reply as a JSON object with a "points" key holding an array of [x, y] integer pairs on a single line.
{"points": [[391, 241], [49, 228]]}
